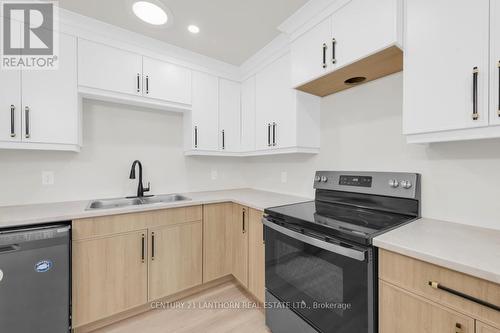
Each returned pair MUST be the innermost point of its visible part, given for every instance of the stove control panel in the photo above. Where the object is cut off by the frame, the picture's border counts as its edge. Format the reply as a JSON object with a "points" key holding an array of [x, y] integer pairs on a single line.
{"points": [[394, 184], [361, 181]]}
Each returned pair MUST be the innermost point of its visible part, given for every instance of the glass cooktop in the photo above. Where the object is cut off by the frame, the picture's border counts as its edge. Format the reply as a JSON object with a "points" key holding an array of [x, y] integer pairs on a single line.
{"points": [[339, 219]]}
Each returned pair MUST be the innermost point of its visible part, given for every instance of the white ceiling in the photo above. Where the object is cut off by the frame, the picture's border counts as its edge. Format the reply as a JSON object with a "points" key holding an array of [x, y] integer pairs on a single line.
{"points": [[231, 30]]}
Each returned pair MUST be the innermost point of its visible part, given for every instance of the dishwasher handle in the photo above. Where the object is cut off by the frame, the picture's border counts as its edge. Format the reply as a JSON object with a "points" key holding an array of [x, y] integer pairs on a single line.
{"points": [[9, 248], [31, 234]]}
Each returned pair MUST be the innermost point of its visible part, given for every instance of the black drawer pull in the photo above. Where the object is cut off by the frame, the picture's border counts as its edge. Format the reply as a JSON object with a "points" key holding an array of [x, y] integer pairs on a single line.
{"points": [[437, 285], [143, 249], [152, 246]]}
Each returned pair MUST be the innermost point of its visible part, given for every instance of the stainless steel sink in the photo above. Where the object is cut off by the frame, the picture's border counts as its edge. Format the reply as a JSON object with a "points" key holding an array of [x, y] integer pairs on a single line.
{"points": [[127, 202]]}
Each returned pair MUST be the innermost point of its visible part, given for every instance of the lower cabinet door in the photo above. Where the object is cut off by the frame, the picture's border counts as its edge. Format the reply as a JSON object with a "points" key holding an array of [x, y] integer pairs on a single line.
{"points": [[400, 311], [217, 220], [483, 328], [256, 255], [110, 275], [238, 244], [175, 259]]}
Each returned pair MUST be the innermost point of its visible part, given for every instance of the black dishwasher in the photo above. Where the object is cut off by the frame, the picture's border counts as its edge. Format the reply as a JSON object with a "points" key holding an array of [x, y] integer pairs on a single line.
{"points": [[35, 279]]}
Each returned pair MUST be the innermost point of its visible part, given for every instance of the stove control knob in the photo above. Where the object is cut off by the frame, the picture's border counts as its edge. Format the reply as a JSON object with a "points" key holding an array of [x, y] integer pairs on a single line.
{"points": [[393, 183], [317, 178], [406, 184], [324, 179]]}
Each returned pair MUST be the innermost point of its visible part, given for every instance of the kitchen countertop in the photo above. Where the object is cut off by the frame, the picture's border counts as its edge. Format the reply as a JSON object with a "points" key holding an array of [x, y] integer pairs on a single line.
{"points": [[467, 249], [13, 216]]}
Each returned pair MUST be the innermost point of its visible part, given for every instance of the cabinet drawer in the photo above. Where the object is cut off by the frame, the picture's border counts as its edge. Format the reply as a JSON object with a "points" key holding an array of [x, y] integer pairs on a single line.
{"points": [[414, 275], [483, 328], [401, 311], [115, 224]]}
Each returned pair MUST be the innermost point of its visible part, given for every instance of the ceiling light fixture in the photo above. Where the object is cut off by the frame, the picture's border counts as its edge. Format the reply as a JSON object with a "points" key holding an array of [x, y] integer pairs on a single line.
{"points": [[150, 12], [193, 29]]}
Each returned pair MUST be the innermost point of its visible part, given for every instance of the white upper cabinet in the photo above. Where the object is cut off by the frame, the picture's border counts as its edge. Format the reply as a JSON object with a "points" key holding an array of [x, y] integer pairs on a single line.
{"points": [[284, 118], [108, 68], [363, 27], [446, 66], [360, 40], [202, 124], [495, 63], [10, 106], [310, 53], [50, 99], [165, 81], [229, 115], [248, 114]]}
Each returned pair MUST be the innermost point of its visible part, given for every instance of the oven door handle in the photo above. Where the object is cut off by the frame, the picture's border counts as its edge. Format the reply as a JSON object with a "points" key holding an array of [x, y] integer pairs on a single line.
{"points": [[339, 249]]}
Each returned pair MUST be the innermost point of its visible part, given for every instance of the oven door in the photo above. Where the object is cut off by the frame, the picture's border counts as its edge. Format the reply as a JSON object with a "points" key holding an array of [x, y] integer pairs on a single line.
{"points": [[329, 284]]}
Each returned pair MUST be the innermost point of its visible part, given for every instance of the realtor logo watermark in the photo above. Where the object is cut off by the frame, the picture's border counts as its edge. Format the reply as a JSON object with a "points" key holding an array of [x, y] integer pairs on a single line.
{"points": [[29, 35]]}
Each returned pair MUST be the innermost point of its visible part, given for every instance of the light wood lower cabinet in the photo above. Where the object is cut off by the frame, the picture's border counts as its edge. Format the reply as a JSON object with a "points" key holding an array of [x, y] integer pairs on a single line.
{"points": [[410, 300], [175, 259], [238, 243], [217, 220], [483, 328], [121, 262], [256, 255], [109, 276], [401, 311]]}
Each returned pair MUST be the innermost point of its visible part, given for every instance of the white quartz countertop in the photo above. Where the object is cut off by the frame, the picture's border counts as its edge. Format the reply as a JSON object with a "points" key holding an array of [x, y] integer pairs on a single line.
{"points": [[11, 216], [463, 248]]}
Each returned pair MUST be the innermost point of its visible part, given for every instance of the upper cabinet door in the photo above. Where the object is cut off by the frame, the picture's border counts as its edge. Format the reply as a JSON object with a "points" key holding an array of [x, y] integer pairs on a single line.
{"points": [[446, 65], [361, 28], [495, 63], [248, 114], [229, 115], [10, 102], [205, 111], [108, 68], [166, 81], [311, 53], [276, 105], [50, 99]]}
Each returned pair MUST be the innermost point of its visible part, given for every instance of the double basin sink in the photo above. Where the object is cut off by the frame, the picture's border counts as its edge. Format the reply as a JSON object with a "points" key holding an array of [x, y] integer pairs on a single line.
{"points": [[130, 202]]}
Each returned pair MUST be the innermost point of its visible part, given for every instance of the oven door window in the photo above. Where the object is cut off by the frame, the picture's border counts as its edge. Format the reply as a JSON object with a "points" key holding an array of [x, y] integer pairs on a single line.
{"points": [[328, 290]]}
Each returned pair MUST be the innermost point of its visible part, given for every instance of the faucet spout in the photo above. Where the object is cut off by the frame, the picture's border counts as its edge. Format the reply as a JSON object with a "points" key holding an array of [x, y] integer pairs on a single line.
{"points": [[140, 186]]}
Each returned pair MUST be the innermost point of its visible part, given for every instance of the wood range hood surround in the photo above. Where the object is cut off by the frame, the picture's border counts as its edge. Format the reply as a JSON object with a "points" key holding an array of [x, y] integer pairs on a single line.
{"points": [[379, 64]]}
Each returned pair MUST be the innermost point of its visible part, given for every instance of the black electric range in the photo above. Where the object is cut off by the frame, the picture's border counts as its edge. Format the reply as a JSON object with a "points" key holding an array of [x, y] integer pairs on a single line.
{"points": [[320, 261]]}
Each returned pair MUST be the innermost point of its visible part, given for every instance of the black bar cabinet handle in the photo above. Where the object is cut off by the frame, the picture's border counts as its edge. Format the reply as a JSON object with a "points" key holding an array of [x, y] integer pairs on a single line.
{"points": [[498, 110], [223, 140], [324, 54], [138, 82], [274, 134], [437, 285], [269, 135], [196, 136], [12, 121], [143, 249], [243, 220], [152, 246], [334, 59], [147, 84], [475, 114], [27, 122]]}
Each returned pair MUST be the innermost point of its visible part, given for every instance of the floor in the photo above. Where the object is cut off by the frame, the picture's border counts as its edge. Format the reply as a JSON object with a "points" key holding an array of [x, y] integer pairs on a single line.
{"points": [[198, 315]]}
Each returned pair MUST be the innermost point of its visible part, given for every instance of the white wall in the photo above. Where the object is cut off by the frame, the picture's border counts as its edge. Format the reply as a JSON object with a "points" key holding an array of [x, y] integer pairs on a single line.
{"points": [[361, 130], [114, 136]]}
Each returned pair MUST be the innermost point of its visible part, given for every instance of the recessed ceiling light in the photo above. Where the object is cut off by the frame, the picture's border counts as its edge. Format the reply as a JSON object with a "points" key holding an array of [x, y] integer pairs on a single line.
{"points": [[193, 29], [150, 12]]}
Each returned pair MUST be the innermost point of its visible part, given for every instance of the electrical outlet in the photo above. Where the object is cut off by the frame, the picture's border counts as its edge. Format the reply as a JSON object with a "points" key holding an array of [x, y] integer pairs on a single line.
{"points": [[47, 178], [214, 174], [284, 177]]}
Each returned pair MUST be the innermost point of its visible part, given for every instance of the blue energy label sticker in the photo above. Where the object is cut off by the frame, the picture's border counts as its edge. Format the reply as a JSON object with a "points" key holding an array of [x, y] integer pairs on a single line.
{"points": [[43, 266]]}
